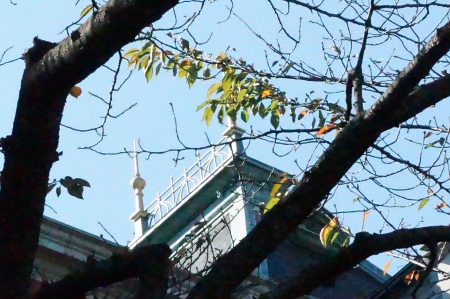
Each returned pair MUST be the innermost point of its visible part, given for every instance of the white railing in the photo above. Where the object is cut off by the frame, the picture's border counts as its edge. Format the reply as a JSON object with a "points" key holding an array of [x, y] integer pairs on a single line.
{"points": [[187, 183]]}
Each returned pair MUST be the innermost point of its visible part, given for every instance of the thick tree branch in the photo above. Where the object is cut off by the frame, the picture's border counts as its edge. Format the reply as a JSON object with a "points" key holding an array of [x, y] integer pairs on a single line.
{"points": [[30, 151], [364, 246], [389, 111], [151, 261]]}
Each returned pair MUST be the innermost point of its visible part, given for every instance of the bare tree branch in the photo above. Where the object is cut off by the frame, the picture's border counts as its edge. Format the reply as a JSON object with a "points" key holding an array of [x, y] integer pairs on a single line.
{"points": [[398, 103]]}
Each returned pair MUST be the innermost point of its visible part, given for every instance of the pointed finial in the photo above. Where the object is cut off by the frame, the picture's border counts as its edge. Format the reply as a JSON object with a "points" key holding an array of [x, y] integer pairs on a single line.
{"points": [[136, 162]]}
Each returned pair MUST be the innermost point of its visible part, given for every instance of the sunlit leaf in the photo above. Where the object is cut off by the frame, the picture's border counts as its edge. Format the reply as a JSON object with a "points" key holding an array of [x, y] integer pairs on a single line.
{"points": [[440, 206], [241, 94], [386, 267], [86, 10], [326, 231], [277, 186], [266, 93], [423, 202], [207, 115], [325, 129], [366, 213], [130, 52], [272, 202], [213, 88], [335, 235]]}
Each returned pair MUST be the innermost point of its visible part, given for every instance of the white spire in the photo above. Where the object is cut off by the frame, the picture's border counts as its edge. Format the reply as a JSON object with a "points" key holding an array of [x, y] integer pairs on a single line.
{"points": [[234, 133], [140, 217]]}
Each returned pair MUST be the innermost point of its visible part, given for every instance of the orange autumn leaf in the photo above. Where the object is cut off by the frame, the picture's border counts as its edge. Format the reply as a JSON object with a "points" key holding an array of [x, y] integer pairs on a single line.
{"points": [[266, 93], [301, 114], [325, 129], [386, 267], [440, 206], [366, 213], [75, 91]]}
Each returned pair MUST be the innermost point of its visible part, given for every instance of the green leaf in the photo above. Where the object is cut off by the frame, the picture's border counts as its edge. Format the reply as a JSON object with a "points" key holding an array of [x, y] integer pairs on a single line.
{"points": [[262, 111], [76, 191], [241, 94], [231, 112], [174, 70], [81, 182], [130, 52], [149, 72], [86, 10], [182, 72], [203, 105], [58, 191], [158, 68], [213, 88], [335, 235], [244, 115], [226, 83], [207, 73], [423, 202], [288, 67], [274, 63], [184, 44], [207, 115], [293, 114], [275, 120], [346, 241], [221, 114], [321, 119], [441, 141]]}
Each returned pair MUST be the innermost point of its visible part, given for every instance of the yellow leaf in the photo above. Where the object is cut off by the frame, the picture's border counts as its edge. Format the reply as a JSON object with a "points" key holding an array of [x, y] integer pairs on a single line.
{"points": [[75, 91], [86, 10], [277, 186], [366, 213], [326, 231], [272, 202], [386, 267], [325, 129], [266, 93]]}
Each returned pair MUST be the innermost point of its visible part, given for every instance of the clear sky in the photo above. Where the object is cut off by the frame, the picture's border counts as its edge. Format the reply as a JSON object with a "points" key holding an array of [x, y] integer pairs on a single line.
{"points": [[110, 200]]}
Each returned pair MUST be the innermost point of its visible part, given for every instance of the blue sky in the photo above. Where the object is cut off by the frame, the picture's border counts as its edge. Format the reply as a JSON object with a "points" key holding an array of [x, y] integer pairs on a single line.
{"points": [[110, 200]]}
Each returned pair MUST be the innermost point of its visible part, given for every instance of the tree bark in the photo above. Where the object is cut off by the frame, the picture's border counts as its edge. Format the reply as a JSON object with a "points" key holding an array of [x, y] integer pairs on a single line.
{"points": [[398, 103], [151, 261], [364, 246], [31, 149]]}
